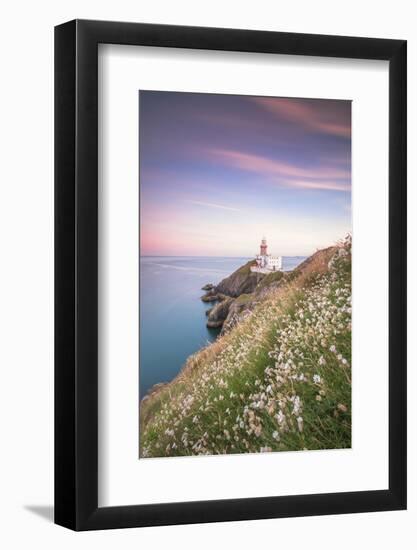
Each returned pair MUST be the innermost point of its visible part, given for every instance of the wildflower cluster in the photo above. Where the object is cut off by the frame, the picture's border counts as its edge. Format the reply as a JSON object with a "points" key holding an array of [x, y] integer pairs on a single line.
{"points": [[280, 380]]}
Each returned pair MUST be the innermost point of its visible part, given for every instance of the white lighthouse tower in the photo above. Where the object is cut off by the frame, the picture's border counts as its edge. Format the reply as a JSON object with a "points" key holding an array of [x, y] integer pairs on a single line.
{"points": [[266, 263]]}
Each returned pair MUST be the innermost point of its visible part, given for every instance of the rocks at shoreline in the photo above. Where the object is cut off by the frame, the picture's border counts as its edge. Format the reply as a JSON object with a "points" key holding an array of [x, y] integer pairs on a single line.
{"points": [[237, 295], [210, 296], [213, 296], [231, 296], [208, 286], [218, 314]]}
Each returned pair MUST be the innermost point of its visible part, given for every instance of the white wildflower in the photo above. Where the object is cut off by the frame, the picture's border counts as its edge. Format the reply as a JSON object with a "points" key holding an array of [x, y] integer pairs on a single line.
{"points": [[297, 405]]}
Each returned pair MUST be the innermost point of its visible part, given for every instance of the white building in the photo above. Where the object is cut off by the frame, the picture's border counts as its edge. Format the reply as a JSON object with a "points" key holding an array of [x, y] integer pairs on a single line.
{"points": [[265, 262]]}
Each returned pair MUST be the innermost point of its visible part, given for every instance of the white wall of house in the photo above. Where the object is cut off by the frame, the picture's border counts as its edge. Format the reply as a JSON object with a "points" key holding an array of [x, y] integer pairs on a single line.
{"points": [[274, 262], [269, 262]]}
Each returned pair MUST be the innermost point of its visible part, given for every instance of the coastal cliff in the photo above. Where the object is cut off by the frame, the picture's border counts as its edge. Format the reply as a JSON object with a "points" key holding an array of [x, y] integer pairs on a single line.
{"points": [[239, 293], [242, 281], [278, 376], [228, 293], [218, 314]]}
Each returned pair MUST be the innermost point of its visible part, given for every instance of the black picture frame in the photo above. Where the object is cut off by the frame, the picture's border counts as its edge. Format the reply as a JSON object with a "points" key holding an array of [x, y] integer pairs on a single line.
{"points": [[76, 272]]}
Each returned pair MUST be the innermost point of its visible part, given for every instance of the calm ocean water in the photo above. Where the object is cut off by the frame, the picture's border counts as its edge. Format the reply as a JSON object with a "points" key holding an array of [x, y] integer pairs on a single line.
{"points": [[172, 316]]}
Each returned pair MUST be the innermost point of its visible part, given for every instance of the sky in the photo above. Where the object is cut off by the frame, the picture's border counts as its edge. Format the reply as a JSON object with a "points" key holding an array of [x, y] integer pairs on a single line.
{"points": [[219, 172]]}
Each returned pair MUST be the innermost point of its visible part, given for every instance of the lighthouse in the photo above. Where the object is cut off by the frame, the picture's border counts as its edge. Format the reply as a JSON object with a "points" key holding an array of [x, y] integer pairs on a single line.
{"points": [[264, 247], [265, 262]]}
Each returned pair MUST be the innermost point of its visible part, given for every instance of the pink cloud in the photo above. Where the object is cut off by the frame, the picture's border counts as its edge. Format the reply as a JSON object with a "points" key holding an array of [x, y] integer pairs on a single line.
{"points": [[214, 205], [325, 185], [289, 175], [321, 118]]}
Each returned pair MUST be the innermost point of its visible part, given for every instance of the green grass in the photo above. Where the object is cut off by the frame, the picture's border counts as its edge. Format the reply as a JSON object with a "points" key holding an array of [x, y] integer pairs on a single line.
{"points": [[243, 299], [245, 269], [280, 380], [273, 277]]}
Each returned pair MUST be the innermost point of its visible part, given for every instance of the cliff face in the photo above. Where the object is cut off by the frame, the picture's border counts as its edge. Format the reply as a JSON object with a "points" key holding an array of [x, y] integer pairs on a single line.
{"points": [[242, 281], [241, 306], [238, 294], [230, 294], [238, 309], [219, 313]]}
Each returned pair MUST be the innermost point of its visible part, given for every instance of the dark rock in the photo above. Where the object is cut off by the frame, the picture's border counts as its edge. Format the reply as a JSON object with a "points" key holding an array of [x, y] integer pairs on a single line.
{"points": [[208, 286], [240, 308], [238, 294], [242, 281], [219, 313], [211, 296]]}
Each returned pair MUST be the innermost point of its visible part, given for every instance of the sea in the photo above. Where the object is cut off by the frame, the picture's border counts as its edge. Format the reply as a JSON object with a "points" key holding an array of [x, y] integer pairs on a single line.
{"points": [[172, 316]]}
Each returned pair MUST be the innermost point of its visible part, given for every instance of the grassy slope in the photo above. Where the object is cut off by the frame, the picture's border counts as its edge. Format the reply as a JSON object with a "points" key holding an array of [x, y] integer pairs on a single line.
{"points": [[280, 380], [273, 277]]}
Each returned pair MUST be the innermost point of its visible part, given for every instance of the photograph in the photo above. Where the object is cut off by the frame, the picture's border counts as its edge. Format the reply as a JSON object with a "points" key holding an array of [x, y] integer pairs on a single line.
{"points": [[209, 264], [245, 247]]}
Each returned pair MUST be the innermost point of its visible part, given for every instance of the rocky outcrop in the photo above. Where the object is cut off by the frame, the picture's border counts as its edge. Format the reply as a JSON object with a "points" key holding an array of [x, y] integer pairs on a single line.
{"points": [[242, 281], [213, 296], [239, 309], [208, 286], [218, 314], [238, 294], [210, 296]]}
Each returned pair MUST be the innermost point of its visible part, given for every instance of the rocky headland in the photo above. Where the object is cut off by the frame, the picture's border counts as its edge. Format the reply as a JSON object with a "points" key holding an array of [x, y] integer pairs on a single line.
{"points": [[236, 295]]}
